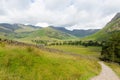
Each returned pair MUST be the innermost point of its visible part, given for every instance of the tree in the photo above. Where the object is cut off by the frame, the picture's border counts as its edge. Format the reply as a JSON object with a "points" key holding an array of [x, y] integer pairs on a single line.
{"points": [[111, 48]]}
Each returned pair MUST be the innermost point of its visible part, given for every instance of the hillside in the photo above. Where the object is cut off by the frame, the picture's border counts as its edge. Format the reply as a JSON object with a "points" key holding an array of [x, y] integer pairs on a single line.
{"points": [[113, 25], [77, 32], [11, 31], [49, 33], [7, 28], [21, 32]]}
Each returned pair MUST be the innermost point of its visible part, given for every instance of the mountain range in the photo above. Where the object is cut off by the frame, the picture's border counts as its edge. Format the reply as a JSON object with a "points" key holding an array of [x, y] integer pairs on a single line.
{"points": [[21, 32], [77, 32], [29, 32]]}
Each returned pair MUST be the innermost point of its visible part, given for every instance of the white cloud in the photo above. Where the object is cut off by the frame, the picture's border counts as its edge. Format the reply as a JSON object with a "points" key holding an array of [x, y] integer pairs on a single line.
{"points": [[79, 14], [42, 24]]}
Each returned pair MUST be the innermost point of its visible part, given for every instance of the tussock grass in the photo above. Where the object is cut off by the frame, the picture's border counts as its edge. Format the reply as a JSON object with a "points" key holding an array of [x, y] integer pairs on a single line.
{"points": [[29, 63]]}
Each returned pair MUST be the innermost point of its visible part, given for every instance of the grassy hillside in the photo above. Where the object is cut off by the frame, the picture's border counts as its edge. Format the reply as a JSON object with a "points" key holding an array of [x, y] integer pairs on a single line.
{"points": [[28, 63], [103, 34], [77, 32], [26, 33], [12, 28], [15, 31], [49, 32]]}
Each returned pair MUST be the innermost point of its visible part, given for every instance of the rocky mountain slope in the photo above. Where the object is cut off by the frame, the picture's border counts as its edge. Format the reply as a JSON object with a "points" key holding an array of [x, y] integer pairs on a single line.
{"points": [[78, 32], [113, 25]]}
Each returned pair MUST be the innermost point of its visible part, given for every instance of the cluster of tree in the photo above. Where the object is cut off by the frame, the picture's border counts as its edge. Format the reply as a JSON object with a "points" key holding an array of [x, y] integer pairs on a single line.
{"points": [[92, 43], [40, 42], [84, 43], [111, 48]]}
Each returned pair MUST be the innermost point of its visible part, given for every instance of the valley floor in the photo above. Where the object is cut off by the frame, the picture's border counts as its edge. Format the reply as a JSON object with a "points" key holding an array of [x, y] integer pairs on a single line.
{"points": [[29, 63], [94, 52]]}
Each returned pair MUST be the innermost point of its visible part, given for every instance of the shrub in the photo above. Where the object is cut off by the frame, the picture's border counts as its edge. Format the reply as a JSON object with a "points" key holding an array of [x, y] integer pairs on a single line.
{"points": [[2, 44], [30, 49]]}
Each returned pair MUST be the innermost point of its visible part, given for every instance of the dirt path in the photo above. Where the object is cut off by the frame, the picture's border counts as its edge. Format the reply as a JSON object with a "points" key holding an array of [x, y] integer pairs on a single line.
{"points": [[106, 73]]}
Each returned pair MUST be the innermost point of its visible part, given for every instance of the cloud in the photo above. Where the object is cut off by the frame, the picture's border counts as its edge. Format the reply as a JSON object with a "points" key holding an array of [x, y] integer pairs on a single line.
{"points": [[79, 14], [42, 24]]}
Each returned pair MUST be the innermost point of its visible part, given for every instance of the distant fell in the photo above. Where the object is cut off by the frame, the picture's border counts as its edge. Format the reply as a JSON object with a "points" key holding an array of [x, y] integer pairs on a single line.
{"points": [[112, 26], [21, 32], [77, 32]]}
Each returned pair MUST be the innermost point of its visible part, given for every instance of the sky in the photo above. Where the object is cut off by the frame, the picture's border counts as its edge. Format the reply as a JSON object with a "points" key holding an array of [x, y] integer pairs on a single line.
{"points": [[72, 14]]}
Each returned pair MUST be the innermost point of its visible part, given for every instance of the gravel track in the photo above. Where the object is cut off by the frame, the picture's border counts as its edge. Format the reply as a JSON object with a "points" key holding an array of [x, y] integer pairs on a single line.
{"points": [[106, 74]]}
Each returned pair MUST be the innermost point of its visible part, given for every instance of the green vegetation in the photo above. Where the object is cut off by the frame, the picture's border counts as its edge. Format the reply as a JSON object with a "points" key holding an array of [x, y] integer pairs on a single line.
{"points": [[67, 59], [50, 33], [75, 43], [111, 51], [111, 48], [77, 32], [103, 34], [90, 51], [26, 33], [29, 63]]}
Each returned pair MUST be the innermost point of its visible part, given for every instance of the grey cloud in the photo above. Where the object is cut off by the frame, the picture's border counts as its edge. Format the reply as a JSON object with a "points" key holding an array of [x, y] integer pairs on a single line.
{"points": [[2, 12], [17, 4], [67, 13]]}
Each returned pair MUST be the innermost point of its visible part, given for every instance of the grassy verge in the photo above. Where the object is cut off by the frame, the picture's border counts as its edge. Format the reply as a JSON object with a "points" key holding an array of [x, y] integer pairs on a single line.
{"points": [[28, 63], [115, 67], [91, 51]]}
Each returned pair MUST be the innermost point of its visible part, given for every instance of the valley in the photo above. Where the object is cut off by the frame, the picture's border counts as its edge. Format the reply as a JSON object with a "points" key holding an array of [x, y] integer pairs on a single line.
{"points": [[30, 52]]}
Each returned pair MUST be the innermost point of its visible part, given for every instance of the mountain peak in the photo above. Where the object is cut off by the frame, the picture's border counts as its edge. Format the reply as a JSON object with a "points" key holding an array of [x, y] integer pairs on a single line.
{"points": [[116, 16]]}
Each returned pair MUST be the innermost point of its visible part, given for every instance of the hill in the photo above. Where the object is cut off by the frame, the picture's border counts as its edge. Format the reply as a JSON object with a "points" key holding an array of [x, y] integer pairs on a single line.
{"points": [[21, 32], [7, 28], [11, 30], [78, 32], [112, 26], [49, 33]]}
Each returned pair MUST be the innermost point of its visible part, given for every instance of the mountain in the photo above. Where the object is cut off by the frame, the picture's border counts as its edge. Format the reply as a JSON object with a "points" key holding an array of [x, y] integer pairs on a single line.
{"points": [[11, 31], [78, 33], [5, 27], [112, 26], [21, 32], [48, 33]]}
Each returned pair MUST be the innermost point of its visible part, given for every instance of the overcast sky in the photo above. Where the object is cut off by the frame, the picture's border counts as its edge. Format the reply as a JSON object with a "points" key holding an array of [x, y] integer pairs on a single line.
{"points": [[73, 14]]}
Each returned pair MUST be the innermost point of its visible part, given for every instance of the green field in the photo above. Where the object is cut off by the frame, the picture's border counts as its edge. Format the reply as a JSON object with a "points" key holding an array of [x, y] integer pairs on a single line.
{"points": [[28, 63], [87, 51]]}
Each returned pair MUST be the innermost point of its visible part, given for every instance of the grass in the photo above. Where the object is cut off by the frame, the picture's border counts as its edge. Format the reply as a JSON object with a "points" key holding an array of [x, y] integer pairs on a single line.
{"points": [[28, 63], [115, 67], [90, 51]]}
